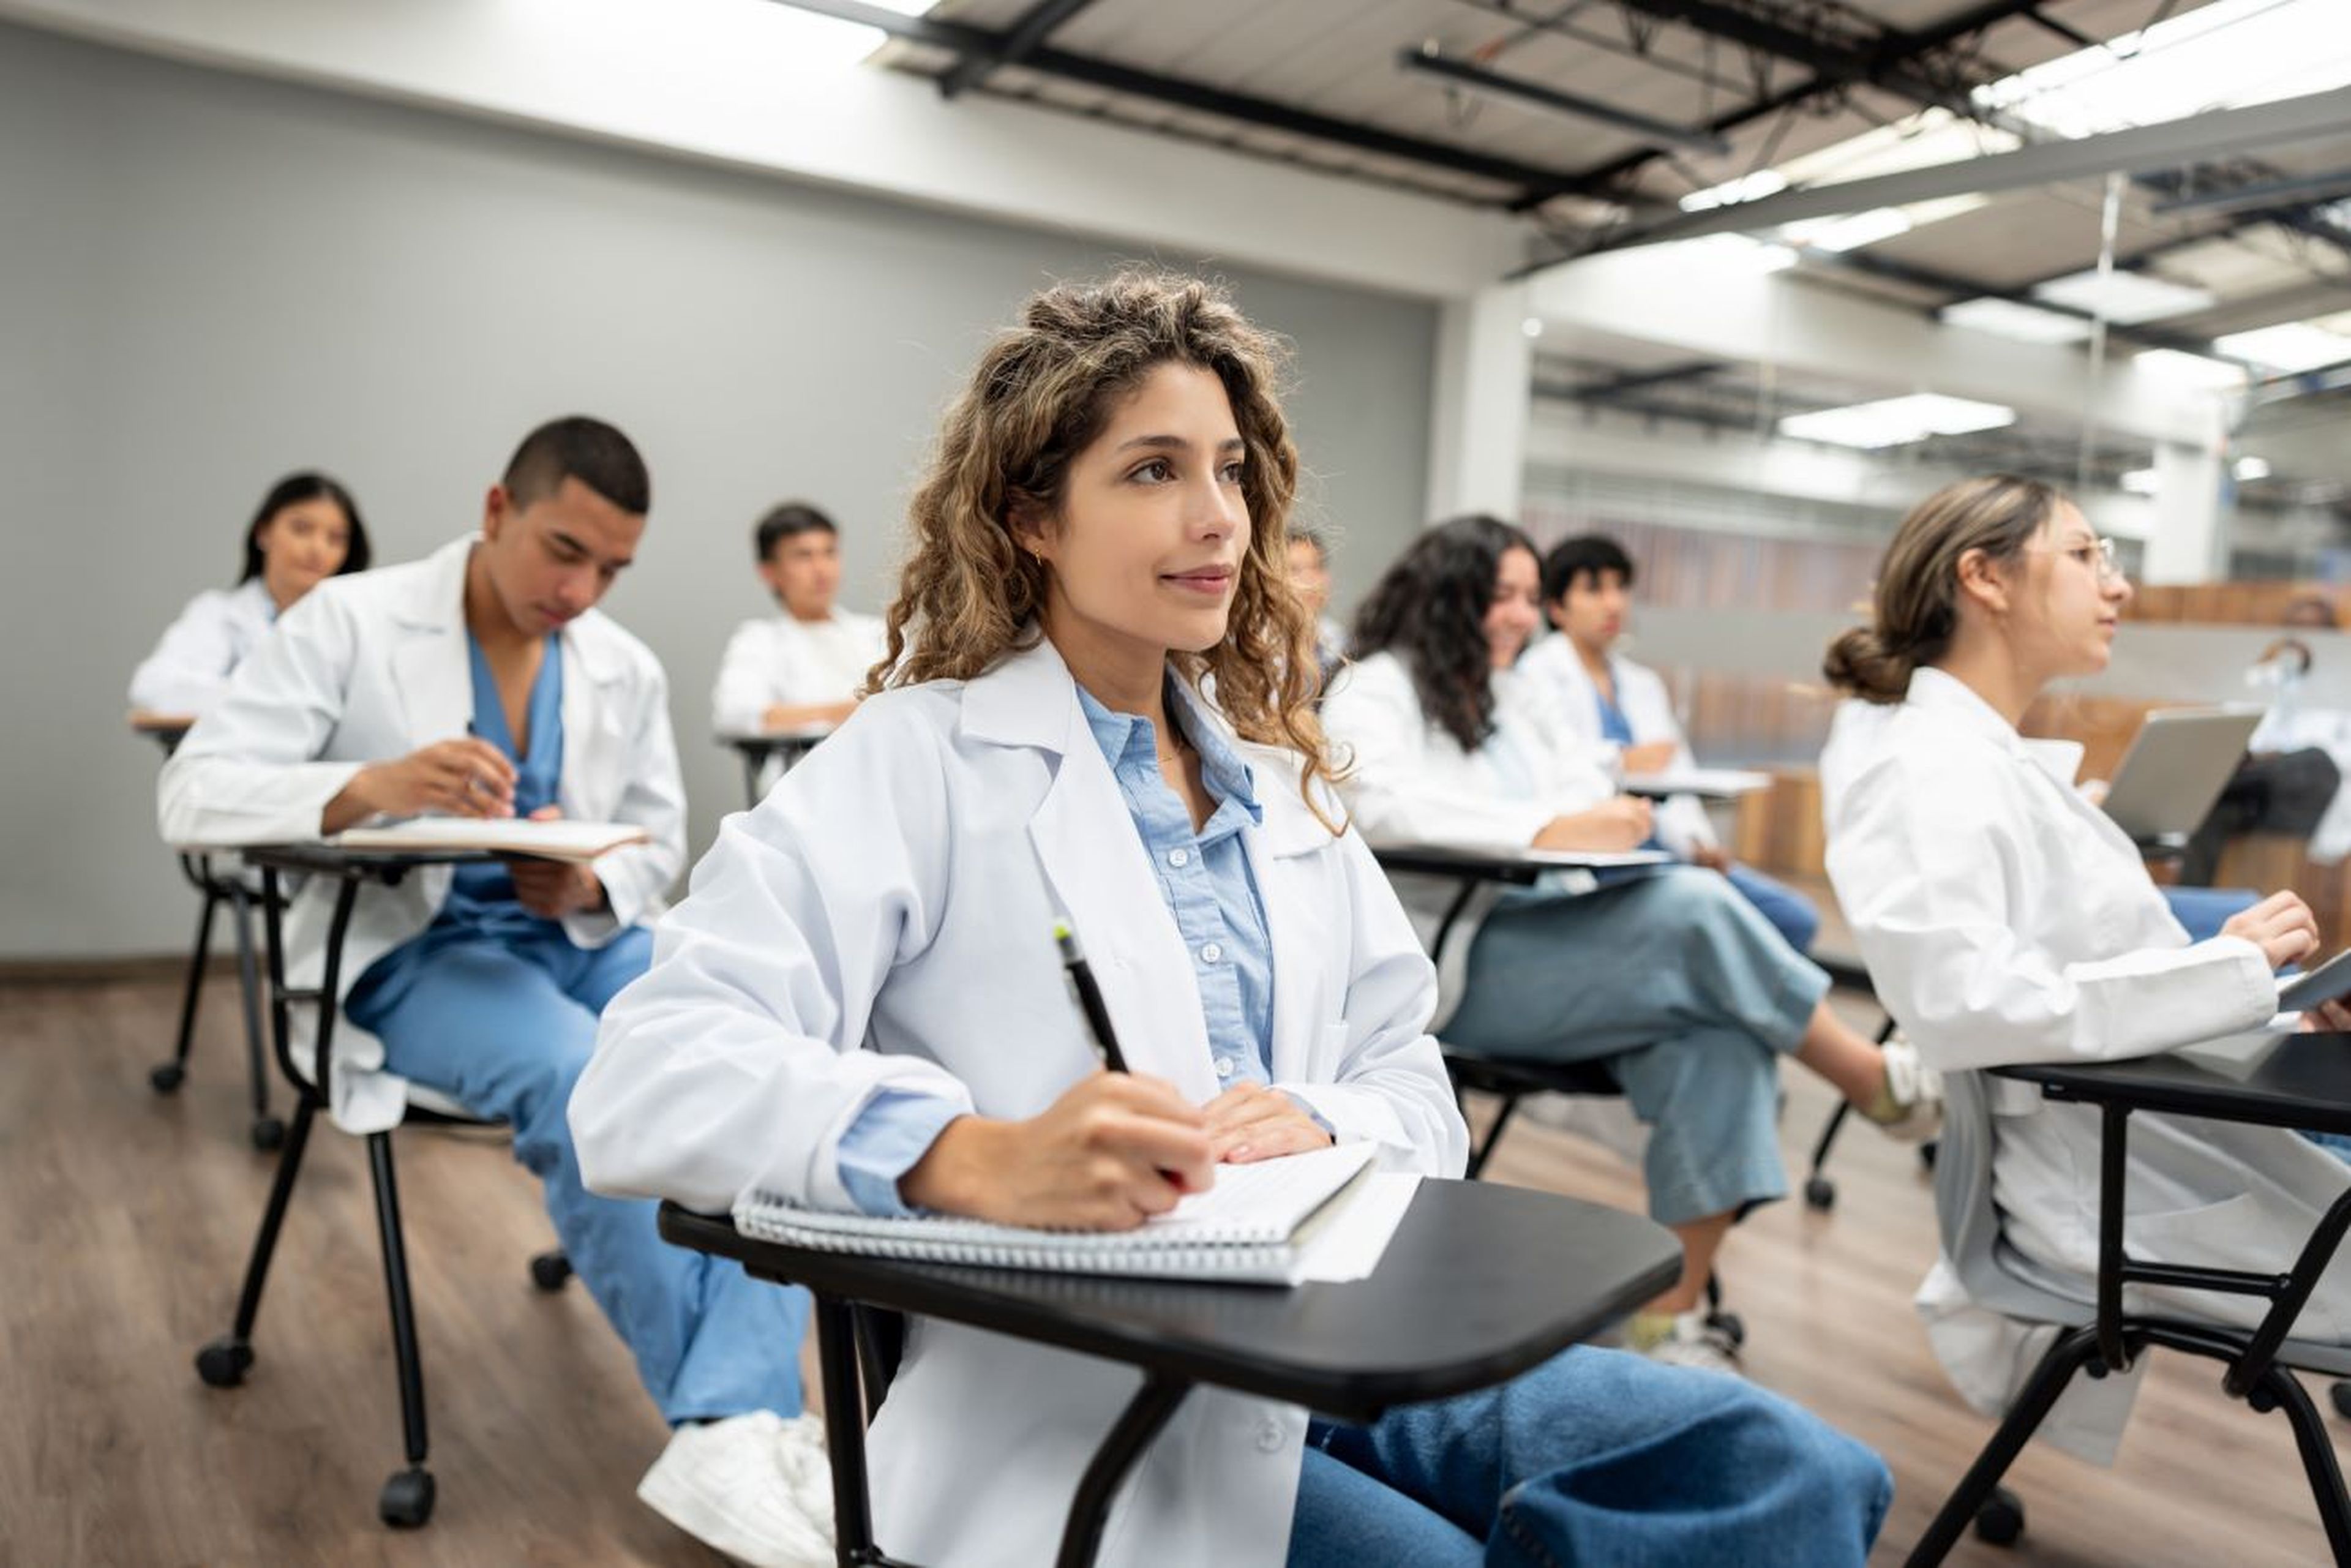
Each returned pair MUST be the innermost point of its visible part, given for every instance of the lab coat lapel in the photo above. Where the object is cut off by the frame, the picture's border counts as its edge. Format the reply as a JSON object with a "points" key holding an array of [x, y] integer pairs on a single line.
{"points": [[429, 662], [1096, 872], [1300, 932], [592, 763]]}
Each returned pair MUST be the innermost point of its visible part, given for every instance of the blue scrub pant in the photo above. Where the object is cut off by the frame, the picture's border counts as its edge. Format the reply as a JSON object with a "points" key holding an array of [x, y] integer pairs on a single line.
{"points": [[1594, 1457], [1688, 995], [1791, 914], [505, 1026]]}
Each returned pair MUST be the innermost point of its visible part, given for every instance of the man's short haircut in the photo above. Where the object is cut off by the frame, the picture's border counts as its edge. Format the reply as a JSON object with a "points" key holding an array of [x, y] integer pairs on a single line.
{"points": [[587, 450], [1571, 558], [1307, 534], [791, 518]]}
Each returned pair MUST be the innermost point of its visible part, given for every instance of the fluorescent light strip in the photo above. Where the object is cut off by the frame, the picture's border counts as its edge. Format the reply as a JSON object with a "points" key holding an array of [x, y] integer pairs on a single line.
{"points": [[2129, 297], [1897, 421], [2008, 319]]}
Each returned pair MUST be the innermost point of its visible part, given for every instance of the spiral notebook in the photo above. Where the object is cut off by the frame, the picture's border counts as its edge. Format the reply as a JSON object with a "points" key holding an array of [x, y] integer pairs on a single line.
{"points": [[1253, 1226]]}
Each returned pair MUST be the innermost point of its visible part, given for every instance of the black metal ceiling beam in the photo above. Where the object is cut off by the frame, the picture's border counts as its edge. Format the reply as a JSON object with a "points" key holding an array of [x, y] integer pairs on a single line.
{"points": [[1612, 174], [1428, 61], [1614, 388], [1030, 30], [957, 38]]}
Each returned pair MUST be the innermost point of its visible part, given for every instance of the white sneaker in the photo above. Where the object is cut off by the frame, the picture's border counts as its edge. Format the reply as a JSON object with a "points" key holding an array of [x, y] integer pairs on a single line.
{"points": [[739, 1485], [1909, 1109], [1693, 1342]]}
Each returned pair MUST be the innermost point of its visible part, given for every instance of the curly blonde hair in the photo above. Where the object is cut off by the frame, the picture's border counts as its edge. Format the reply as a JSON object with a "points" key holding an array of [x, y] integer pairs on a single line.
{"points": [[1042, 393]]}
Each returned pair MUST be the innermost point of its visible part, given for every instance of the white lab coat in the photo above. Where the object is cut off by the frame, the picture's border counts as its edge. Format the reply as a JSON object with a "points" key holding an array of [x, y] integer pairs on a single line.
{"points": [[777, 659], [1414, 784], [1552, 669], [2004, 919], [373, 666], [883, 921], [190, 667]]}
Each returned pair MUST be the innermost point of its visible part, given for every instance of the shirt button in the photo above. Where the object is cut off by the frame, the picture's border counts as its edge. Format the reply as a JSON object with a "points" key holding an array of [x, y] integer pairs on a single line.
{"points": [[1269, 1436], [1179, 859], [1223, 1067], [1210, 952]]}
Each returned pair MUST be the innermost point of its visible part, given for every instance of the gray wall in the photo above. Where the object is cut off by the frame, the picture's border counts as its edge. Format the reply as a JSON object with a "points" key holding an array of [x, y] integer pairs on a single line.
{"points": [[207, 280]]}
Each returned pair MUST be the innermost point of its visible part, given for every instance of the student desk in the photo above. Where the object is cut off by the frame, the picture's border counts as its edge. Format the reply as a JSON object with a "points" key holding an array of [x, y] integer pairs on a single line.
{"points": [[2302, 1080], [782, 747], [1544, 1270], [1713, 784]]}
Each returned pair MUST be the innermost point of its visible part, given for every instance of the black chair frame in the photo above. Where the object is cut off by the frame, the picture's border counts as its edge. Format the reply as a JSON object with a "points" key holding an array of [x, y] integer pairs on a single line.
{"points": [[407, 1498], [2115, 1340], [268, 1131]]}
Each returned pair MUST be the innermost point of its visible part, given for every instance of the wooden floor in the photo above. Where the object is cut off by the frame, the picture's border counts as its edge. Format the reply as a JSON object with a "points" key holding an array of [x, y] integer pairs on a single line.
{"points": [[125, 1219]]}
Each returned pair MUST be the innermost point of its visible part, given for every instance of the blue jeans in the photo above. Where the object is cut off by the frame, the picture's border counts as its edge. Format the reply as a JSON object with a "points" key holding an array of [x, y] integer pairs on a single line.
{"points": [[505, 1027], [1791, 914], [1596, 1458], [1686, 994]]}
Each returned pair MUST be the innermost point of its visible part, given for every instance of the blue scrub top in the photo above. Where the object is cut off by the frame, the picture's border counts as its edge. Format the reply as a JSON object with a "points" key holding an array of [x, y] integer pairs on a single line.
{"points": [[482, 897]]}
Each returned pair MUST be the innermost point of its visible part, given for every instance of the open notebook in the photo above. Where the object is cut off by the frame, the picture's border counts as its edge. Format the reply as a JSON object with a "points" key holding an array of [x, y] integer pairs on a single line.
{"points": [[1253, 1226], [560, 839]]}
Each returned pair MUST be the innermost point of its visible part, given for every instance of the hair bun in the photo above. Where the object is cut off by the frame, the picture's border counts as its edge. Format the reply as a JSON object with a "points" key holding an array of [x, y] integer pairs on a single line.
{"points": [[1860, 665]]}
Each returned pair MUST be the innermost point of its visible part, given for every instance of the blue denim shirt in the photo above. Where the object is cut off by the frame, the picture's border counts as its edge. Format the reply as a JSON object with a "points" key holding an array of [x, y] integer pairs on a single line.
{"points": [[1211, 891]]}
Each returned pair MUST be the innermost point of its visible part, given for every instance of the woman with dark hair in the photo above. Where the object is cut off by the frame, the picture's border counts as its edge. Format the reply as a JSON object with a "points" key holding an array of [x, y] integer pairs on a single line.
{"points": [[859, 1006], [1664, 973], [2007, 920], [306, 529]]}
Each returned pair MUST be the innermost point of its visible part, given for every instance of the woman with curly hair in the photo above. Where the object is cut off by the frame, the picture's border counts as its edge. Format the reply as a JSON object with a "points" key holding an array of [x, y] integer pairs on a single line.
{"points": [[861, 1007], [1665, 974]]}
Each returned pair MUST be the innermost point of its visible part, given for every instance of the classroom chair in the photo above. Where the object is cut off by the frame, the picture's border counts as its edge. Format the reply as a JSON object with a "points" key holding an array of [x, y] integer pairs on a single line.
{"points": [[2097, 1335], [407, 1497], [1509, 1080], [220, 887]]}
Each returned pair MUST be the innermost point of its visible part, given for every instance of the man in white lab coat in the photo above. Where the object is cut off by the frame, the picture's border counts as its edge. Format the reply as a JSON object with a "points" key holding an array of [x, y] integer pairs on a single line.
{"points": [[482, 682], [1621, 711], [802, 667]]}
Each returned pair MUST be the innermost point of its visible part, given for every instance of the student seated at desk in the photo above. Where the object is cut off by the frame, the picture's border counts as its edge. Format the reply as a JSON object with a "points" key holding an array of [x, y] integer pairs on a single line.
{"points": [[1619, 707], [1662, 972], [2006, 919], [804, 667], [308, 530], [482, 681], [861, 1006]]}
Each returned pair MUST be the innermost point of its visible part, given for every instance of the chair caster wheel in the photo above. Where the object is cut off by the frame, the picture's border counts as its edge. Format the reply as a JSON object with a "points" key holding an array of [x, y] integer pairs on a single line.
{"points": [[1733, 1326], [2001, 1521], [223, 1363], [406, 1501], [1820, 1193], [550, 1270], [167, 1078], [2339, 1394], [268, 1134], [1927, 1155]]}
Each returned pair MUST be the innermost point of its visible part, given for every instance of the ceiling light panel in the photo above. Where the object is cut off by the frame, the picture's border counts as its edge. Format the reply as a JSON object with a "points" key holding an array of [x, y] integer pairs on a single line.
{"points": [[2007, 318], [1897, 421], [2129, 297]]}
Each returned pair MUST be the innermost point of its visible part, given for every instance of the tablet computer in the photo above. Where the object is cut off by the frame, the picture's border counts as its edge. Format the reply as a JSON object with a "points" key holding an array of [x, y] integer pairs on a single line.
{"points": [[2176, 768], [2331, 981]]}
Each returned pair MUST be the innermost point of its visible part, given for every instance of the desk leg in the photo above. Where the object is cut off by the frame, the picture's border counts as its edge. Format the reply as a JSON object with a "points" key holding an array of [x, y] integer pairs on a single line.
{"points": [[1138, 1424], [753, 766], [267, 1131], [2316, 1254], [168, 1077], [844, 1427], [2113, 1149]]}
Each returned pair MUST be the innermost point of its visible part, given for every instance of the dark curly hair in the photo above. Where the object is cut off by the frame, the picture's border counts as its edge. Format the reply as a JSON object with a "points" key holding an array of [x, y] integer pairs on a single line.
{"points": [[1429, 610]]}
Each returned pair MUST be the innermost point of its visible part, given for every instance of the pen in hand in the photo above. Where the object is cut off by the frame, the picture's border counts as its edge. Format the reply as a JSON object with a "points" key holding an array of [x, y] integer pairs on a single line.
{"points": [[1090, 997]]}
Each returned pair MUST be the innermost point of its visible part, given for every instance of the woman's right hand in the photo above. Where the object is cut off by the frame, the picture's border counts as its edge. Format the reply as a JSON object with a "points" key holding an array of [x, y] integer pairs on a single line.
{"points": [[1112, 1151], [1611, 827], [464, 777], [2281, 925]]}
